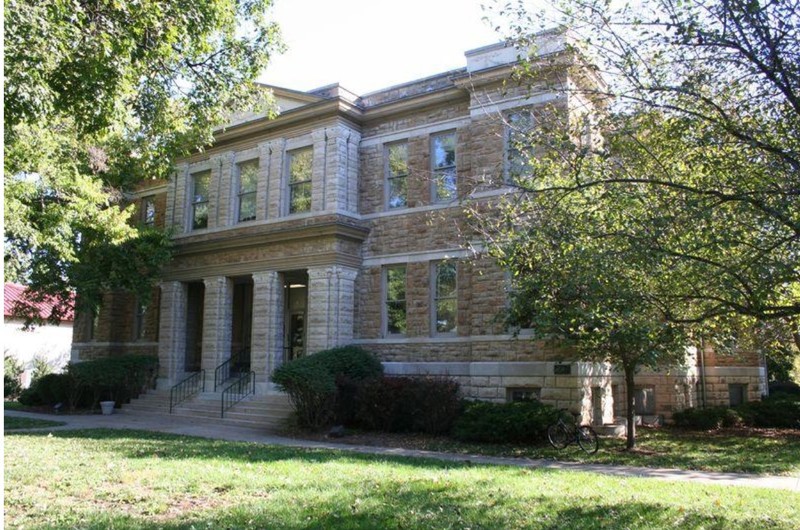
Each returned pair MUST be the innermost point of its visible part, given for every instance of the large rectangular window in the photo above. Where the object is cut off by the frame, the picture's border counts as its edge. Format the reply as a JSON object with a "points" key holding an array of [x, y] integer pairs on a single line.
{"points": [[443, 158], [644, 399], [737, 394], [518, 147], [445, 297], [396, 156], [246, 195], [300, 164], [149, 211], [395, 300], [200, 183]]}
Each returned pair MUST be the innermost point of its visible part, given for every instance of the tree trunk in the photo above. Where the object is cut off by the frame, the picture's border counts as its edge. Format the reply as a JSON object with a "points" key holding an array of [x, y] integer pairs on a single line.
{"points": [[630, 409]]}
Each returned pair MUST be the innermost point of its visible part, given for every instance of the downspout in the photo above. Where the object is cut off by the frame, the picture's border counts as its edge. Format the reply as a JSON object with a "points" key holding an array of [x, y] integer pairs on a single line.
{"points": [[703, 370]]}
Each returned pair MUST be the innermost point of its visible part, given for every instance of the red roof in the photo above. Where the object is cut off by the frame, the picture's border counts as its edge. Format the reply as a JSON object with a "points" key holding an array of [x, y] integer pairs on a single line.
{"points": [[14, 292]]}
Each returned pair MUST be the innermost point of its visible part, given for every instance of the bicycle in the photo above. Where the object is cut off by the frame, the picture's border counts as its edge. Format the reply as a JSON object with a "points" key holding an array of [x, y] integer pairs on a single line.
{"points": [[561, 434]]}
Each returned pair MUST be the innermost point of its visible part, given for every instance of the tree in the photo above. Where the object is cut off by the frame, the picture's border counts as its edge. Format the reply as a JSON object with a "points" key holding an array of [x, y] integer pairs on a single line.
{"points": [[98, 97], [676, 173]]}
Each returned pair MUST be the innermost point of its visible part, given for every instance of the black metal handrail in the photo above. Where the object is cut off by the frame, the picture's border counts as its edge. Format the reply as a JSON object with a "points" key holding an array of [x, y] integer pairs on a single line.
{"points": [[234, 365], [187, 388], [237, 391]]}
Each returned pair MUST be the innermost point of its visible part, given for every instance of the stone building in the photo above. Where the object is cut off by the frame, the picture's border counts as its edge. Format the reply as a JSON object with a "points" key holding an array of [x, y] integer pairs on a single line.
{"points": [[337, 222]]}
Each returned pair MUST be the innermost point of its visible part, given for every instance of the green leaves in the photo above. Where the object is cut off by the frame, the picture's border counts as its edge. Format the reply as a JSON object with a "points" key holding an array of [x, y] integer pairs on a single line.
{"points": [[98, 97]]}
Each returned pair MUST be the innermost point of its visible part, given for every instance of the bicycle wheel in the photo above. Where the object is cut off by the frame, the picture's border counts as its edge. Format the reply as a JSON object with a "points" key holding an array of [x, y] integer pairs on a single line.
{"points": [[557, 436], [588, 440]]}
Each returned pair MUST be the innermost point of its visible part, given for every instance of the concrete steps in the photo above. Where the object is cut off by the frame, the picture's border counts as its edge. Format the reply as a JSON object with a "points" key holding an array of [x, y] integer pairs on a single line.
{"points": [[269, 412]]}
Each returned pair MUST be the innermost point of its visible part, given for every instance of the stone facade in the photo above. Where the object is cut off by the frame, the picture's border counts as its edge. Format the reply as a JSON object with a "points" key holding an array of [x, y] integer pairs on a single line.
{"points": [[292, 281]]}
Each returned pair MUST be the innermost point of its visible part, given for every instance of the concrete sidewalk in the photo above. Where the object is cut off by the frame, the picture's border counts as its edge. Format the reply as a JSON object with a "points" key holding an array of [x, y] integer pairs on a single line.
{"points": [[176, 425]]}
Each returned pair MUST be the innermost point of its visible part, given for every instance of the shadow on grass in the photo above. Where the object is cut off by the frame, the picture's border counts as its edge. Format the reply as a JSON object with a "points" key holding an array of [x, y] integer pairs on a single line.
{"points": [[148, 444], [426, 509]]}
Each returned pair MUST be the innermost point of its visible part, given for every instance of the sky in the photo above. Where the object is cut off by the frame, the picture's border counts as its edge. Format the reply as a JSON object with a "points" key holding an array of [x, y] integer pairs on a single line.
{"points": [[367, 45]]}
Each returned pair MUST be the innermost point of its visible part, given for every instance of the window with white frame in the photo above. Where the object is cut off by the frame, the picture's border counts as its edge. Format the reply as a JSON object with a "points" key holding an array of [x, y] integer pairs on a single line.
{"points": [[394, 300], [445, 297], [139, 321], [514, 394], [396, 169], [645, 400], [149, 211], [737, 394], [199, 185], [300, 165], [246, 193], [443, 161], [518, 146]]}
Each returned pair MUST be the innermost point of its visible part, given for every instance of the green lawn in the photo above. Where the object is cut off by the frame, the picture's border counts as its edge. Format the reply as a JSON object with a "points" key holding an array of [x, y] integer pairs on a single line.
{"points": [[132, 479], [11, 423], [763, 452]]}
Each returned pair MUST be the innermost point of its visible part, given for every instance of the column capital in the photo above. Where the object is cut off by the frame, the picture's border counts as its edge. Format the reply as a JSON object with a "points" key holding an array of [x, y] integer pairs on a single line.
{"points": [[264, 276]]}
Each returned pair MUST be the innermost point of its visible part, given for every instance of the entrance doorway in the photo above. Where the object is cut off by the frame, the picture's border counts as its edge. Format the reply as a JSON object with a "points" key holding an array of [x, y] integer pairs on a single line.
{"points": [[195, 296], [241, 324], [295, 290]]}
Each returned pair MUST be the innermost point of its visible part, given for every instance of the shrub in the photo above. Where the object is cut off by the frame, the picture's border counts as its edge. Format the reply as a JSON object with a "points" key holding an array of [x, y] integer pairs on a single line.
{"points": [[403, 404], [40, 367], [12, 370], [311, 381], [112, 378], [51, 388], [780, 411], [702, 419], [522, 421]]}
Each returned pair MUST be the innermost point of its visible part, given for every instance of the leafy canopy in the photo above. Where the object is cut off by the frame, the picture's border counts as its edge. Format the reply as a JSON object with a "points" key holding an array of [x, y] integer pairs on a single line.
{"points": [[98, 97]]}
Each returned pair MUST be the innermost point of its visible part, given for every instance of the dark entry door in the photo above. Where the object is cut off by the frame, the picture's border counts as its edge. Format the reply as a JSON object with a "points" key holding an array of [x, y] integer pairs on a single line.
{"points": [[194, 326]]}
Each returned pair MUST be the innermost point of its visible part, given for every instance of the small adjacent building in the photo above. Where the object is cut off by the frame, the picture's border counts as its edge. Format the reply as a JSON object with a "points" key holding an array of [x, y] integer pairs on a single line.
{"points": [[338, 222], [46, 342]]}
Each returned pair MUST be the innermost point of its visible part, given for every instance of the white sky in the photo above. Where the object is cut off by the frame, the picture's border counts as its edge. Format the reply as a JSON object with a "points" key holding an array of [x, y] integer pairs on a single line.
{"points": [[367, 45]]}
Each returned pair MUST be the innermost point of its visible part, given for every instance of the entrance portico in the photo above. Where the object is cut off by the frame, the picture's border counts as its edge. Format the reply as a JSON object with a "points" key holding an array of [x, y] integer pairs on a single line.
{"points": [[291, 313]]}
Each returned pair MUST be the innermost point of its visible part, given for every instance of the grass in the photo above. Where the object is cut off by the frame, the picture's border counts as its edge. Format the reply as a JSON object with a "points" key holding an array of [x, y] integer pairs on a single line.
{"points": [[134, 479], [11, 423], [769, 452]]}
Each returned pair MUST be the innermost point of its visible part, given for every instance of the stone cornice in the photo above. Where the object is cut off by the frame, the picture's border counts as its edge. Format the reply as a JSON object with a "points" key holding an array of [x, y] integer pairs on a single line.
{"points": [[415, 102], [313, 111], [260, 236]]}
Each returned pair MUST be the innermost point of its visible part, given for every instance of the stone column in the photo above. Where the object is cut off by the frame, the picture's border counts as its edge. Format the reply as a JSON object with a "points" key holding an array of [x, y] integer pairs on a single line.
{"points": [[341, 184], [331, 299], [177, 194], [267, 337], [276, 184], [217, 321], [172, 334], [320, 172]]}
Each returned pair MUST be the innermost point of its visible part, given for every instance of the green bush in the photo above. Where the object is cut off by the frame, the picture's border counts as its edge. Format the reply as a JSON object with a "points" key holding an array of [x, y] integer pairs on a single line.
{"points": [[311, 381], [706, 419], [406, 404], [780, 411], [12, 370], [112, 378], [40, 367], [522, 421]]}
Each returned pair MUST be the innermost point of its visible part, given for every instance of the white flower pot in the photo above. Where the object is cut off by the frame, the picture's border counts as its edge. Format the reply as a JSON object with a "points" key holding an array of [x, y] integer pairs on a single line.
{"points": [[107, 407]]}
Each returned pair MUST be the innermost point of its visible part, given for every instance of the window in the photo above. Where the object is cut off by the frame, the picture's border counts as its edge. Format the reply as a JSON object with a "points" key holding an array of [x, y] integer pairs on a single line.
{"points": [[246, 198], [94, 324], [300, 163], [200, 183], [523, 394], [139, 321], [396, 156], [645, 400], [445, 297], [518, 149], [395, 300], [149, 211], [443, 156], [737, 394]]}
